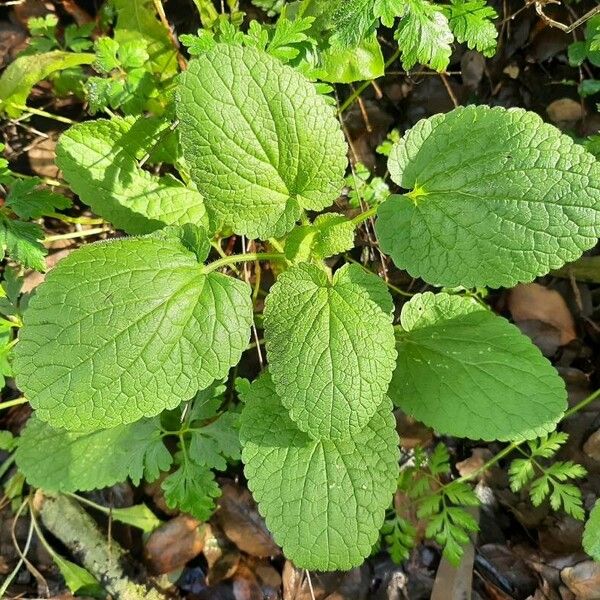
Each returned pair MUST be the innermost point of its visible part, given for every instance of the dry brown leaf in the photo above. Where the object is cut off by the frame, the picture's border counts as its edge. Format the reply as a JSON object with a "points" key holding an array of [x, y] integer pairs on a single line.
{"points": [[239, 519], [564, 110], [174, 543], [543, 314]]}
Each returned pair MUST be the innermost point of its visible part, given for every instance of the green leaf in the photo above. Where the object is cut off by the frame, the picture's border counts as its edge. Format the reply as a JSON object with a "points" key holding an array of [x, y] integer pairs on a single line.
{"points": [[357, 63], [137, 23], [352, 21], [212, 444], [99, 160], [139, 516], [288, 36], [330, 234], [77, 579], [7, 441], [323, 500], [516, 201], [471, 22], [469, 373], [591, 533], [25, 71], [106, 55], [23, 242], [192, 488], [261, 143], [28, 201], [64, 461], [424, 35], [388, 10], [157, 329], [330, 349]]}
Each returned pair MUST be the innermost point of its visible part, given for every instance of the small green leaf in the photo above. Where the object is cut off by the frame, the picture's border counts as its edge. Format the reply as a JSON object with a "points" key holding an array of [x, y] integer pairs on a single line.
{"points": [[424, 35], [64, 461], [467, 372], [591, 533], [357, 63], [212, 444], [28, 201], [77, 579], [139, 516], [330, 234], [192, 489], [23, 242], [516, 201], [323, 500], [261, 143], [352, 21], [137, 23], [157, 329], [25, 71], [471, 22], [330, 349], [99, 160]]}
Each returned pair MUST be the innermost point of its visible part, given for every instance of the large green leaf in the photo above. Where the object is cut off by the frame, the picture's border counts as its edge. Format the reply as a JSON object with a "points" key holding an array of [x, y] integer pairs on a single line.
{"points": [[323, 500], [330, 348], [124, 329], [25, 71], [65, 461], [497, 197], [99, 160], [467, 372], [262, 145]]}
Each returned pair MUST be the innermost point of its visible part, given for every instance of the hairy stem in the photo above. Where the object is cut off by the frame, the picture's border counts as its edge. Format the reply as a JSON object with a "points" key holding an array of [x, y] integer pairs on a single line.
{"points": [[239, 258]]}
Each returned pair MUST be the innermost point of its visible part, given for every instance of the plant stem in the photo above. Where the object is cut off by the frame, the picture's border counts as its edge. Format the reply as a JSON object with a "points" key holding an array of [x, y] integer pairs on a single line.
{"points": [[42, 113], [78, 220], [363, 216], [364, 85], [76, 234], [580, 405], [16, 402], [237, 258]]}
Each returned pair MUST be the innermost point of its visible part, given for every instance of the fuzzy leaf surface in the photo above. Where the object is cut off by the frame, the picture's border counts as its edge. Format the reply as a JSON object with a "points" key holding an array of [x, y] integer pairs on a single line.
{"points": [[58, 460], [323, 500], [330, 348], [498, 197], [127, 328], [467, 372], [99, 160], [261, 143]]}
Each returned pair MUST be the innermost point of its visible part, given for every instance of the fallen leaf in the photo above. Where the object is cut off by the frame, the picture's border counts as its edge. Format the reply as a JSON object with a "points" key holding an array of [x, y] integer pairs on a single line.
{"points": [[583, 579], [564, 110], [239, 519], [222, 557], [542, 314], [174, 543]]}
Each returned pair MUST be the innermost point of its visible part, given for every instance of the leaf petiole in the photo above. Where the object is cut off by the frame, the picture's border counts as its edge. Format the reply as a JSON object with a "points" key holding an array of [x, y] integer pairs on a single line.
{"points": [[238, 258]]}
